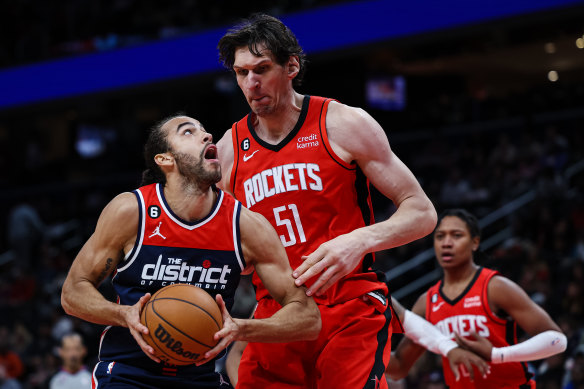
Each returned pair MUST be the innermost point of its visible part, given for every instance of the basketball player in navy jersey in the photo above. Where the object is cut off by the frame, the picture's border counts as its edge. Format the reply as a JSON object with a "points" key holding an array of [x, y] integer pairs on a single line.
{"points": [[179, 227]]}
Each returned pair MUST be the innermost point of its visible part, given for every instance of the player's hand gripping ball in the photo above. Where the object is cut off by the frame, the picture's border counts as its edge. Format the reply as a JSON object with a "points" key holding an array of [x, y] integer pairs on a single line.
{"points": [[181, 320]]}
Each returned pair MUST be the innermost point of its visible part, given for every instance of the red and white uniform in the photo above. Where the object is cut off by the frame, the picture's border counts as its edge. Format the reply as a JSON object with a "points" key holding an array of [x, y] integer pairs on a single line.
{"points": [[310, 196], [471, 312]]}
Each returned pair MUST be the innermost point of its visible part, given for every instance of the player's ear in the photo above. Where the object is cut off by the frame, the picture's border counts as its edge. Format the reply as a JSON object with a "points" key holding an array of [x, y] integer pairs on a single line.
{"points": [[293, 66], [163, 159], [476, 241]]}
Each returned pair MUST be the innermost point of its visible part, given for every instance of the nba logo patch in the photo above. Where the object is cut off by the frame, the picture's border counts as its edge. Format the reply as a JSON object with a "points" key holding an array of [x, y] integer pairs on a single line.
{"points": [[110, 367], [434, 297]]}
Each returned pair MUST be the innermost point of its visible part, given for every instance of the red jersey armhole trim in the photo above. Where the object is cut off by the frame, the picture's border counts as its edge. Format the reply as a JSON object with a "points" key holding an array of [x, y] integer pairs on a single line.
{"points": [[235, 144], [324, 137], [431, 291], [485, 298]]}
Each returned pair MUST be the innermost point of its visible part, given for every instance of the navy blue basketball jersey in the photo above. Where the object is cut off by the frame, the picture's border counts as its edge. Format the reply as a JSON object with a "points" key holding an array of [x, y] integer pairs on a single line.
{"points": [[168, 250]]}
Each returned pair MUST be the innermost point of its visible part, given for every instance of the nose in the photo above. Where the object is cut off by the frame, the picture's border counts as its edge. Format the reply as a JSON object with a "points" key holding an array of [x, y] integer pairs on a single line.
{"points": [[208, 138], [252, 81], [447, 241]]}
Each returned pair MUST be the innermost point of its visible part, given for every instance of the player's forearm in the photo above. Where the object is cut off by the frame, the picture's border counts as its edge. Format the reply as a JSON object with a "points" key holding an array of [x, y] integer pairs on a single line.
{"points": [[414, 219], [540, 346], [395, 370], [403, 358], [426, 335], [293, 322], [83, 300]]}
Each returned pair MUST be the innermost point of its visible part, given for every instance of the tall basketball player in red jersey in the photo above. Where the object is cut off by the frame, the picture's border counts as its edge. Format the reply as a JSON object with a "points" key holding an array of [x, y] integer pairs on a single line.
{"points": [[305, 163], [179, 229], [481, 309]]}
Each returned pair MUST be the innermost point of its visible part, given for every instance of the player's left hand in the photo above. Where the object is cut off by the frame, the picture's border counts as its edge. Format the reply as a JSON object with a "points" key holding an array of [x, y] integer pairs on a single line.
{"points": [[332, 260], [225, 335], [458, 357], [480, 346]]}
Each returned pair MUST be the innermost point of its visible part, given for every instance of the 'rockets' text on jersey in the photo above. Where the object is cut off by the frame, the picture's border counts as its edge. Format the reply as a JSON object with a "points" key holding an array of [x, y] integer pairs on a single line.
{"points": [[306, 191], [471, 312]]}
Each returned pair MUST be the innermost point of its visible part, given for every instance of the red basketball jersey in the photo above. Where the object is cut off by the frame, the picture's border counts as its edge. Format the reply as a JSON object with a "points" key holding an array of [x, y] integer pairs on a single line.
{"points": [[471, 312], [306, 191]]}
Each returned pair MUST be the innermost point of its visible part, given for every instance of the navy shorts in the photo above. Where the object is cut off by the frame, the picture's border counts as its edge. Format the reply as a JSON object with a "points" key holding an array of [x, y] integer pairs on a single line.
{"points": [[117, 375]]}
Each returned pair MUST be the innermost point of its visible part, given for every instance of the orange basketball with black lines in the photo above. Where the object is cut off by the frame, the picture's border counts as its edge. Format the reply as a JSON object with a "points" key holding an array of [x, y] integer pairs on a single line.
{"points": [[181, 320]]}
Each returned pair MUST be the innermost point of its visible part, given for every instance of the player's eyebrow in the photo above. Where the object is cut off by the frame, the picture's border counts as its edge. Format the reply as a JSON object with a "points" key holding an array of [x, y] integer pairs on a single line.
{"points": [[252, 66], [184, 124]]}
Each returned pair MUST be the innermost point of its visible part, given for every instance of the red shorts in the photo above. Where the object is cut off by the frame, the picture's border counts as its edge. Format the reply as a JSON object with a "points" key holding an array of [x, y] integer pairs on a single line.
{"points": [[351, 351]]}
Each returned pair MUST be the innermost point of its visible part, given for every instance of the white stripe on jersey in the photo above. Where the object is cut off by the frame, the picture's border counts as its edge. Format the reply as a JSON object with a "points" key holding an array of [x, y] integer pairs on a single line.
{"points": [[183, 225], [142, 206], [235, 237]]}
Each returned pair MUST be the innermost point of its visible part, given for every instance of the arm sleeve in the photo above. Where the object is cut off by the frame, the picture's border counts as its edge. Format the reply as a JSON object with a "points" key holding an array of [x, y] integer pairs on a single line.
{"points": [[426, 335], [540, 346]]}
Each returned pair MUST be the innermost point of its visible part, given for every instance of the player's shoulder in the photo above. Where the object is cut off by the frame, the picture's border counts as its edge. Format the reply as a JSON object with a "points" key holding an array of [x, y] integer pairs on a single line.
{"points": [[250, 220], [345, 115], [502, 283], [503, 291], [124, 202], [225, 139], [345, 123], [122, 207], [420, 304]]}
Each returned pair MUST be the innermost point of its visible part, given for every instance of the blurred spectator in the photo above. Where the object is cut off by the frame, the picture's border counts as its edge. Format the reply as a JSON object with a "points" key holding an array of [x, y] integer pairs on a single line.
{"points": [[26, 233], [73, 374], [10, 361], [6, 382], [575, 370]]}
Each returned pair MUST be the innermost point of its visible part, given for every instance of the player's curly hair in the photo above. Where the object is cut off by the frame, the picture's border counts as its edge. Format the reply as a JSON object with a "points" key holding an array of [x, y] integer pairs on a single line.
{"points": [[156, 143], [261, 29]]}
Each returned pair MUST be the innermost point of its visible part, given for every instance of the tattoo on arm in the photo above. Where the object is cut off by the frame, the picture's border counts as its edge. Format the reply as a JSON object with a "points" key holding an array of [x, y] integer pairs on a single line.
{"points": [[105, 271]]}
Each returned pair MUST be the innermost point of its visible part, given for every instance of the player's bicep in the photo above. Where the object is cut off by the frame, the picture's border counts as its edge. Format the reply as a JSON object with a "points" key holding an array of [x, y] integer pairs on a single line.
{"points": [[505, 295], [116, 229], [372, 153], [263, 249]]}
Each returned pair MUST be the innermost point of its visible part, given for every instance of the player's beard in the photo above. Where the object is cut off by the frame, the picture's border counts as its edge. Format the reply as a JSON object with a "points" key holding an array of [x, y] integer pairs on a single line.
{"points": [[194, 172]]}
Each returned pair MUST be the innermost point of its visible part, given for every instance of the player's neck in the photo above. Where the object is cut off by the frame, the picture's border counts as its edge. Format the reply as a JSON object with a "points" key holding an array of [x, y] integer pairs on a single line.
{"points": [[189, 202], [72, 369], [276, 126], [460, 276]]}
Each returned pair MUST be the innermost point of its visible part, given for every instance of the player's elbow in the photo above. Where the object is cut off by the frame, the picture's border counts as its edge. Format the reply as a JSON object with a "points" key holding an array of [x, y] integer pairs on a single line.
{"points": [[314, 324], [65, 302], [430, 217], [67, 299], [562, 341], [396, 375], [395, 370]]}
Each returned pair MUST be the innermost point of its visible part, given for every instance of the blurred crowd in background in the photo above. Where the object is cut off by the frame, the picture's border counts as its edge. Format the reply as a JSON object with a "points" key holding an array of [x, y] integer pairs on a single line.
{"points": [[46, 31], [62, 166]]}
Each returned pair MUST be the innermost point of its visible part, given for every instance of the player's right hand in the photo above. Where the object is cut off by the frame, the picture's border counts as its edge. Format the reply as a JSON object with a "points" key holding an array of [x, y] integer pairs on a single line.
{"points": [[132, 317], [459, 356], [478, 345], [227, 334]]}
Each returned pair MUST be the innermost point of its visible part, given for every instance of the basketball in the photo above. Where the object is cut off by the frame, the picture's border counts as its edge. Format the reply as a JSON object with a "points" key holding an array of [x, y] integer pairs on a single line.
{"points": [[181, 320]]}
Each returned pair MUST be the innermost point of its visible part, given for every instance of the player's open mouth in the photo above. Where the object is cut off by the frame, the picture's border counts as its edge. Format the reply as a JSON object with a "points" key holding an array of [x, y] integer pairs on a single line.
{"points": [[211, 152]]}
